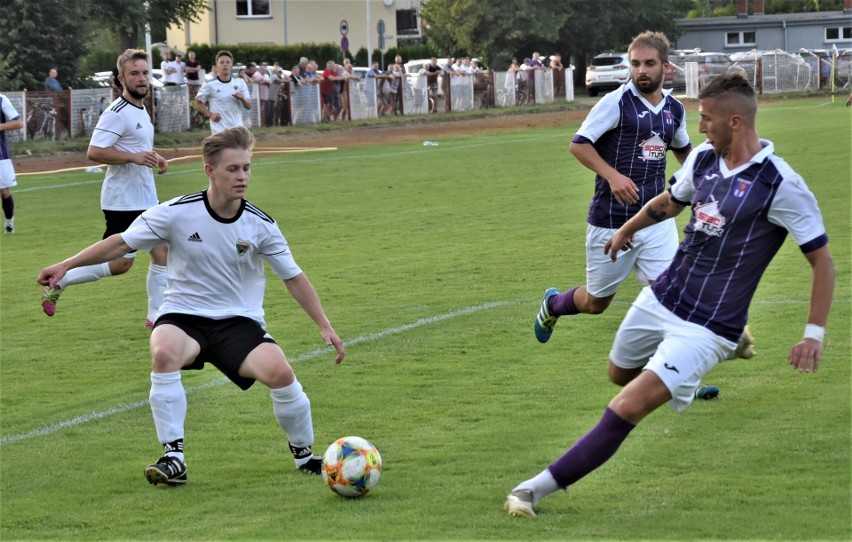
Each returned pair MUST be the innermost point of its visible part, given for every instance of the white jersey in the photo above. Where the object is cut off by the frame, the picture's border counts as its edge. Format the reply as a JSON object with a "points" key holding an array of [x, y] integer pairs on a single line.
{"points": [[127, 128], [219, 97], [215, 265]]}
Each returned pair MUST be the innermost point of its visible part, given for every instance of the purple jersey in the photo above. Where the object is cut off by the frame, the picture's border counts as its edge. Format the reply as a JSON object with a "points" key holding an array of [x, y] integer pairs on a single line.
{"points": [[632, 137], [740, 219]]}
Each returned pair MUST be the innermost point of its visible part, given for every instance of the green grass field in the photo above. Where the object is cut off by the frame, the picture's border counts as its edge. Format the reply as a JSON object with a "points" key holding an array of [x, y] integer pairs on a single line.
{"points": [[431, 263]]}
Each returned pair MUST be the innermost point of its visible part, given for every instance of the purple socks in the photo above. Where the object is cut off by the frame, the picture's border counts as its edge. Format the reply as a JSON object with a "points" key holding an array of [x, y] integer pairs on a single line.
{"points": [[592, 450], [563, 304]]}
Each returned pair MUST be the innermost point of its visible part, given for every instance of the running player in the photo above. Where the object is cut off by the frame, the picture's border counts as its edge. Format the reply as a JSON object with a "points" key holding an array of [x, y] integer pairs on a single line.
{"points": [[124, 140], [745, 200]]}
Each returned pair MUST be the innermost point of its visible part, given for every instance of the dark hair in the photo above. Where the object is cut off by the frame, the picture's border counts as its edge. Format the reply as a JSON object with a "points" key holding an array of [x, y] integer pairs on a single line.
{"points": [[734, 90]]}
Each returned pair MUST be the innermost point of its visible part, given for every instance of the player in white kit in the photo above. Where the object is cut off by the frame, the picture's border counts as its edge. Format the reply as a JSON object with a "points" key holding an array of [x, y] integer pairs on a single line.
{"points": [[124, 140], [223, 98], [212, 310], [745, 200]]}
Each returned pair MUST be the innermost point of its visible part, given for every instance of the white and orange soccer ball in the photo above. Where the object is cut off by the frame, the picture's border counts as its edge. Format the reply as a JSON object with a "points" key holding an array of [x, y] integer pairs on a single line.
{"points": [[351, 466]]}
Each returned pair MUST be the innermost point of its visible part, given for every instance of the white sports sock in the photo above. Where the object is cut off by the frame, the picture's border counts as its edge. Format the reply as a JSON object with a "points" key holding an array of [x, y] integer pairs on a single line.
{"points": [[88, 273], [168, 405], [156, 285], [541, 485], [292, 409]]}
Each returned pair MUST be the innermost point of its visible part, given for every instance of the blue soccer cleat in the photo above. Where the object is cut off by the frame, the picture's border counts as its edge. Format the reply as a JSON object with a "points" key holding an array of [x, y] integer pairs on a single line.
{"points": [[545, 321]]}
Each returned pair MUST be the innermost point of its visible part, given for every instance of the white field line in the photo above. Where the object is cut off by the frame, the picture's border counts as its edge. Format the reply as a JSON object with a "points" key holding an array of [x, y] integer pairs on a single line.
{"points": [[127, 407]]}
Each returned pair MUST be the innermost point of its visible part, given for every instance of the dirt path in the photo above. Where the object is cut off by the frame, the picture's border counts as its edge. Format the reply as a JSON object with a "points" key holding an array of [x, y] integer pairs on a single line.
{"points": [[348, 137]]}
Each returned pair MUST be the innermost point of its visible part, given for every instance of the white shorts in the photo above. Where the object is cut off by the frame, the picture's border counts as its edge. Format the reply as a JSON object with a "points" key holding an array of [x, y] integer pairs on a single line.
{"points": [[653, 250], [7, 174], [677, 351]]}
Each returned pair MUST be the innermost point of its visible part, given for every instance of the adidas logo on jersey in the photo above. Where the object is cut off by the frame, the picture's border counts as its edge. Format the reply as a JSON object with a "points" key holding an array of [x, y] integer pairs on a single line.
{"points": [[195, 238], [138, 126]]}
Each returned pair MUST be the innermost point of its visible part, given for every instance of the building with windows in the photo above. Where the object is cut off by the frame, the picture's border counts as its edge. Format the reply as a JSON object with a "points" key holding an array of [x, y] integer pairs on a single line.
{"points": [[786, 31], [351, 23]]}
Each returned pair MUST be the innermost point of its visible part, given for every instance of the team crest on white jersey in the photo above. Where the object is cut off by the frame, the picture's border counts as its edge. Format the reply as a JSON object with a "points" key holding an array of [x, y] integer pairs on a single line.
{"points": [[242, 246], [741, 187], [709, 219], [653, 148]]}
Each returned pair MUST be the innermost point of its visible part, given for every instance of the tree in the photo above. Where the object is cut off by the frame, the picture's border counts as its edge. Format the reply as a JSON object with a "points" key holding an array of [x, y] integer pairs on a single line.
{"points": [[38, 35], [127, 17], [573, 28]]}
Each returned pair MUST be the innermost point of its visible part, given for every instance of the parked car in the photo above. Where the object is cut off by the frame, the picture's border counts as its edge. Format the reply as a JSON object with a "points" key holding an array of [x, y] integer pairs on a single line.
{"points": [[607, 71], [710, 65]]}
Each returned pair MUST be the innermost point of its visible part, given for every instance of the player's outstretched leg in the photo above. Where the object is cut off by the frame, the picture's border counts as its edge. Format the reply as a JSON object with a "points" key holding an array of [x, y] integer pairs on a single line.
{"points": [[545, 320]]}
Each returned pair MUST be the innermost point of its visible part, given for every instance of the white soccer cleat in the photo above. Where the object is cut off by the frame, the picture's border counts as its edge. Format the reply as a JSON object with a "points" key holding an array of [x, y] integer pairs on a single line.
{"points": [[519, 503]]}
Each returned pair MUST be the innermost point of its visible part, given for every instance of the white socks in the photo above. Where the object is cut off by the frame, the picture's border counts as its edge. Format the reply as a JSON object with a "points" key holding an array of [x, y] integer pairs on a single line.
{"points": [[292, 409], [541, 486], [88, 273], [168, 405], [156, 285]]}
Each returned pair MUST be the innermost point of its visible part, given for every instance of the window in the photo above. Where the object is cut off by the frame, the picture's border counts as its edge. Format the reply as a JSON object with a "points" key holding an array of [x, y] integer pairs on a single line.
{"points": [[406, 22], [253, 8], [838, 33], [737, 39]]}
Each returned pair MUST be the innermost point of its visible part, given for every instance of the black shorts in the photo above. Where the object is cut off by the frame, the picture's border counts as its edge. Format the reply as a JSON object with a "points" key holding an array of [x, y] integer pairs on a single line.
{"points": [[225, 344], [119, 221]]}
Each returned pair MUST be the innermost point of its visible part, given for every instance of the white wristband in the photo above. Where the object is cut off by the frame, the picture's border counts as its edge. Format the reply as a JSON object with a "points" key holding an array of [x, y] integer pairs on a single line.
{"points": [[815, 332]]}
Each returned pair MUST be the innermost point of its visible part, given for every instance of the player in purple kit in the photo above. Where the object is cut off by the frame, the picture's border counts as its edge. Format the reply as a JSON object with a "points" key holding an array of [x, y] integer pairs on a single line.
{"points": [[745, 200], [9, 120], [624, 140]]}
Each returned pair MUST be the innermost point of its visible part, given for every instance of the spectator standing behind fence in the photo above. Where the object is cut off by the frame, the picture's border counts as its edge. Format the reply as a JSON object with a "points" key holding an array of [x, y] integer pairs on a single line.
{"points": [[124, 140], [350, 79], [180, 69], [9, 120], [169, 69], [223, 99], [115, 84], [330, 91], [193, 75], [433, 70], [51, 82], [558, 74], [261, 78]]}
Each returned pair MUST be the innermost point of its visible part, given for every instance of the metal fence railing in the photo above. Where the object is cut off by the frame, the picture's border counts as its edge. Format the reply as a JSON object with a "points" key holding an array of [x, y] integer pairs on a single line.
{"points": [[74, 113]]}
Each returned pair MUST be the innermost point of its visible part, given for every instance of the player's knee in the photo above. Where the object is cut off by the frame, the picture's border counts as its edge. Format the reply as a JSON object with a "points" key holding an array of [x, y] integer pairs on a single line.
{"points": [[619, 376], [165, 358], [597, 305], [120, 266]]}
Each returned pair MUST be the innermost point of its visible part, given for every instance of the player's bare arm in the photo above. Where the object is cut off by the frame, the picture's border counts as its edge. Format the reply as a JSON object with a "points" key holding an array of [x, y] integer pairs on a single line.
{"points": [[655, 211], [805, 356], [101, 252], [111, 155], [304, 293], [681, 154], [623, 188], [205, 111]]}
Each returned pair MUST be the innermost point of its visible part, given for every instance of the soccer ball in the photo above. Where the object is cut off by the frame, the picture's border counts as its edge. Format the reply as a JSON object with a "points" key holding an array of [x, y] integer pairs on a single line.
{"points": [[351, 466]]}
